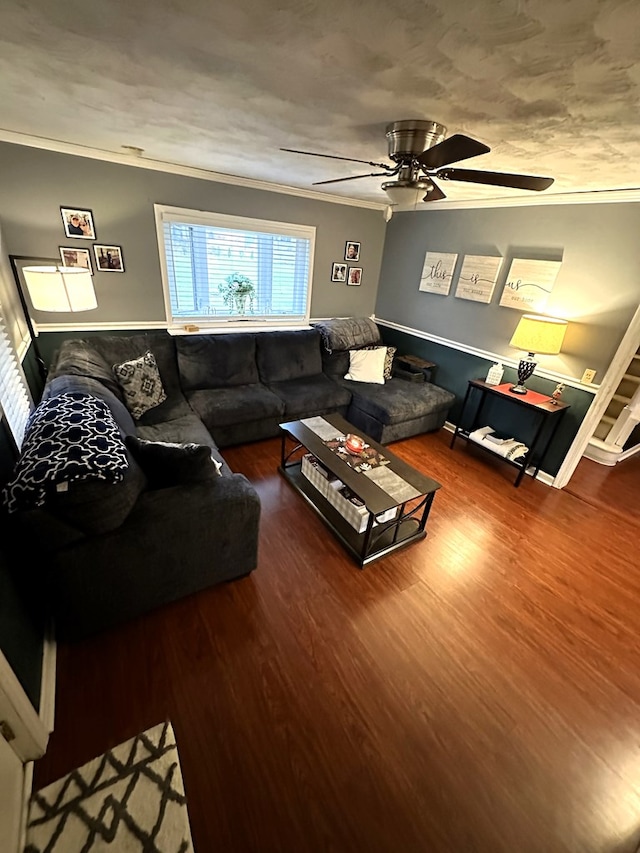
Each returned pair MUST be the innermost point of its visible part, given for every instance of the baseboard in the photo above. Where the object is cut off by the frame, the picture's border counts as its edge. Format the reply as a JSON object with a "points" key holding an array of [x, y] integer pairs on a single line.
{"points": [[27, 789], [48, 683]]}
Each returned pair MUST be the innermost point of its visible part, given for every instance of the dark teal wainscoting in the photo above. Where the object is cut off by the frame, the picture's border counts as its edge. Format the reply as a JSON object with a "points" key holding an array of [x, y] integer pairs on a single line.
{"points": [[455, 368]]}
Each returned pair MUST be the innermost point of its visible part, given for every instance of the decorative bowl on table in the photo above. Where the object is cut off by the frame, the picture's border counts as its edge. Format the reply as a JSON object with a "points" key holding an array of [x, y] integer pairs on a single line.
{"points": [[354, 443]]}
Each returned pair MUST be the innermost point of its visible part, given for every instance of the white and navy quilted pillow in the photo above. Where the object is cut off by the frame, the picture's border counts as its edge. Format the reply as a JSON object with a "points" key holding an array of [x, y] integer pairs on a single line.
{"points": [[72, 436]]}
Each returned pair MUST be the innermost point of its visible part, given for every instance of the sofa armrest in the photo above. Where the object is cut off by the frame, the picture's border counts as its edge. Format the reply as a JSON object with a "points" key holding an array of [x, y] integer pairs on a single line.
{"points": [[176, 541]]}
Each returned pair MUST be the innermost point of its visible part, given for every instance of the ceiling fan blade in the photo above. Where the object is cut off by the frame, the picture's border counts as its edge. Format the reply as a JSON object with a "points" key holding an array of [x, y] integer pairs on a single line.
{"points": [[455, 148], [434, 194], [354, 178], [335, 157], [497, 179]]}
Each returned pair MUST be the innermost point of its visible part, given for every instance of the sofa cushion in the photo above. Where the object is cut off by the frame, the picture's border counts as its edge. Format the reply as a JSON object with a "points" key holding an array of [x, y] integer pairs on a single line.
{"points": [[170, 464], [141, 384], [367, 365], [229, 406], [343, 333], [188, 429], [115, 349], [70, 437], [77, 357], [98, 506], [335, 364], [94, 387], [216, 361], [288, 355], [312, 395], [397, 400]]}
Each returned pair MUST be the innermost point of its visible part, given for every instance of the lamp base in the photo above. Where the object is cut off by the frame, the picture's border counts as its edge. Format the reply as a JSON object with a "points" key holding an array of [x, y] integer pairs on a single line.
{"points": [[525, 371]]}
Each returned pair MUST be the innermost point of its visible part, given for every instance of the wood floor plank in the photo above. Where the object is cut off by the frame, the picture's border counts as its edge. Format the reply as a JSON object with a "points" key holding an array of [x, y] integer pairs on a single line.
{"points": [[478, 691]]}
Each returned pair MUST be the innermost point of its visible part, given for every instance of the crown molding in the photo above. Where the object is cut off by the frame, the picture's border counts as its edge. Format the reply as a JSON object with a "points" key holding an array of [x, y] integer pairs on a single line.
{"points": [[175, 169], [488, 355], [613, 196]]}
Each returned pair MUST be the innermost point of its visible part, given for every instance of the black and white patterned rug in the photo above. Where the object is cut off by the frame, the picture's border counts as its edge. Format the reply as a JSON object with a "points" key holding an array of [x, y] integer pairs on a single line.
{"points": [[129, 800]]}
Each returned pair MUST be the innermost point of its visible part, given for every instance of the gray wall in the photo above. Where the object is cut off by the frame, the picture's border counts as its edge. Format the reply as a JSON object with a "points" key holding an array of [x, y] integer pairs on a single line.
{"points": [[36, 183], [597, 288]]}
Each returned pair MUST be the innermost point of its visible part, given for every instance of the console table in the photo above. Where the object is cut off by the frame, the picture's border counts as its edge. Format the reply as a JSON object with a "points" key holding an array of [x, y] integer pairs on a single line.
{"points": [[540, 409]]}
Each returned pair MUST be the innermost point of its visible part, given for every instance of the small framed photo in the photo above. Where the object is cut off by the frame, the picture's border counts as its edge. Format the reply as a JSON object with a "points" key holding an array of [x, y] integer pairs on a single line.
{"points": [[108, 258], [76, 258], [78, 223], [355, 275], [352, 251], [338, 272]]}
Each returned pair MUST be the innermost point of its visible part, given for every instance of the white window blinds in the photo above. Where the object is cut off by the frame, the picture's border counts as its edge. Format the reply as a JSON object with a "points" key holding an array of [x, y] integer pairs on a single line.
{"points": [[14, 393], [226, 269]]}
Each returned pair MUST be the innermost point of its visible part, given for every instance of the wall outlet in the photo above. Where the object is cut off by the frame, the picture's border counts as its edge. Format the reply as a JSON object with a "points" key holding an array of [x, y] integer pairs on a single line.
{"points": [[588, 376]]}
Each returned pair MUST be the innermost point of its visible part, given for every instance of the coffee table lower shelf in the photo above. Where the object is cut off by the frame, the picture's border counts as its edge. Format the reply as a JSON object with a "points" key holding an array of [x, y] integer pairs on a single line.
{"points": [[375, 542]]}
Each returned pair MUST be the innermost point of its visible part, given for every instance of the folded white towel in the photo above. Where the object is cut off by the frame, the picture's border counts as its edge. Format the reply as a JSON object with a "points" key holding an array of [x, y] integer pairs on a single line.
{"points": [[510, 449]]}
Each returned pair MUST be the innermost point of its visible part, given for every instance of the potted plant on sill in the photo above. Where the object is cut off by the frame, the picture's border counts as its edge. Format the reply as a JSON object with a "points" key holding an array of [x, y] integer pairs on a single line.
{"points": [[237, 288]]}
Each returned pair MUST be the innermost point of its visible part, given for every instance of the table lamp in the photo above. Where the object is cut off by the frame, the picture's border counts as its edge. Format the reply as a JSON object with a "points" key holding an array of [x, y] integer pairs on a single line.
{"points": [[535, 334]]}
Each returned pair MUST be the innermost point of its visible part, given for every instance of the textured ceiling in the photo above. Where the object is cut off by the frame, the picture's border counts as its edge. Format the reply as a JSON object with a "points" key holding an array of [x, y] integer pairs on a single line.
{"points": [[552, 86]]}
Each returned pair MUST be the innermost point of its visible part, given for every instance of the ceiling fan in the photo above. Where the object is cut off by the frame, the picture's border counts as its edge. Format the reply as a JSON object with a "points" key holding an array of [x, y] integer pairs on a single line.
{"points": [[420, 154]]}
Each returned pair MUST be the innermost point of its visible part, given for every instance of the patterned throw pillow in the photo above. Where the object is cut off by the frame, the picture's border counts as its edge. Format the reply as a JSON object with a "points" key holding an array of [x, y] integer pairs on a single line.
{"points": [[70, 437], [141, 383], [388, 361]]}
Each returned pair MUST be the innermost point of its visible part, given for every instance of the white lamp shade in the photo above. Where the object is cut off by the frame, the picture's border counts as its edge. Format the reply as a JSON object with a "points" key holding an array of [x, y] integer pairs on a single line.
{"points": [[405, 196], [60, 288], [536, 334]]}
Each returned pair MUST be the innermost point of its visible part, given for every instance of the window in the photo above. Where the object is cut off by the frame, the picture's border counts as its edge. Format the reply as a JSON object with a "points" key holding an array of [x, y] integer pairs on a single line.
{"points": [[15, 400], [229, 270]]}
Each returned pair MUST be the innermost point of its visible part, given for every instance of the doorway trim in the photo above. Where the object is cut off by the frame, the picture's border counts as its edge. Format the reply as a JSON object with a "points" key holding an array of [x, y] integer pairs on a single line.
{"points": [[615, 372]]}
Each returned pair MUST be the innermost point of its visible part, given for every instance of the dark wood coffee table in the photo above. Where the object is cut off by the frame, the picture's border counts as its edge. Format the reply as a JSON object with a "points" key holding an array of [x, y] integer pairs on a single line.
{"points": [[413, 500]]}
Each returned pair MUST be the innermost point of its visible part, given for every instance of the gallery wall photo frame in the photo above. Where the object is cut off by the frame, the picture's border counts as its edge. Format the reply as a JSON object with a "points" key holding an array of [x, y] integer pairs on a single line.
{"points": [[78, 223], [437, 272], [338, 271], [529, 284], [108, 258], [73, 257], [478, 277], [355, 276], [352, 251]]}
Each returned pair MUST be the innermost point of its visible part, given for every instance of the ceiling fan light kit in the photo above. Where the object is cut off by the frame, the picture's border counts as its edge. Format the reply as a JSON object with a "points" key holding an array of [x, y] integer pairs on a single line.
{"points": [[420, 153]]}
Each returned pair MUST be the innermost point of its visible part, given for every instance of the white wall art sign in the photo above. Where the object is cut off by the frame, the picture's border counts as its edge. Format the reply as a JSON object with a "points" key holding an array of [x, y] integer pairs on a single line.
{"points": [[437, 272], [529, 284], [478, 277]]}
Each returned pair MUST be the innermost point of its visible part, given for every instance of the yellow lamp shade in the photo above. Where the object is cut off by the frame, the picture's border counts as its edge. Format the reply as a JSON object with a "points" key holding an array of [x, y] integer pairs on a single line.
{"points": [[537, 334]]}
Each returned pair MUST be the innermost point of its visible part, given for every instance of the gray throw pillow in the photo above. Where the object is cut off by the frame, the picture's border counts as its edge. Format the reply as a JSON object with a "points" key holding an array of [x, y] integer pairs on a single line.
{"points": [[167, 463], [141, 383]]}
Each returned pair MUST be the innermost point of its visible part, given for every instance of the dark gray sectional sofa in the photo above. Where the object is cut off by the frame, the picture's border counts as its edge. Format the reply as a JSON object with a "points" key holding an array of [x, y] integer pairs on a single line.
{"points": [[110, 552]]}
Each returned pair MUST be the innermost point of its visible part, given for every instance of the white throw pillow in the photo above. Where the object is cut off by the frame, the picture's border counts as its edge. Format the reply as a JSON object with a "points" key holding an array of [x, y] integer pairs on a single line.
{"points": [[367, 365]]}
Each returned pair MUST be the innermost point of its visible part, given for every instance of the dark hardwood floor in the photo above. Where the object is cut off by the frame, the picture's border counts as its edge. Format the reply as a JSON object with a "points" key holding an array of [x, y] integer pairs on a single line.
{"points": [[615, 488], [477, 692]]}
